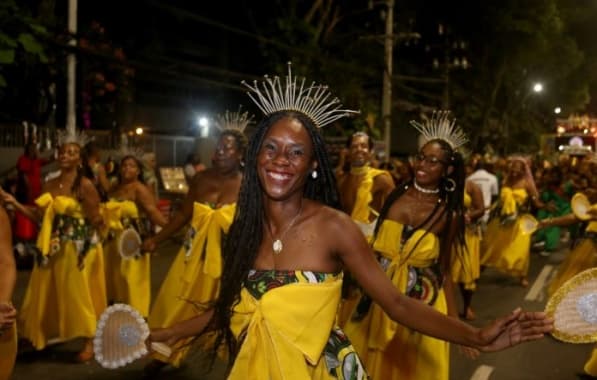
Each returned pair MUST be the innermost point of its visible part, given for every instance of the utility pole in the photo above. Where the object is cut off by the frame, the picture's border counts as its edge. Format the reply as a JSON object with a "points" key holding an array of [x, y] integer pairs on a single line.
{"points": [[386, 98], [71, 66]]}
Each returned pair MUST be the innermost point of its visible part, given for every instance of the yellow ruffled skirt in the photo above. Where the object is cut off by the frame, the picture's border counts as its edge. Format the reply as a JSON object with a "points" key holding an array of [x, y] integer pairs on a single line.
{"points": [[128, 281], [63, 301], [506, 248], [591, 364], [466, 262]]}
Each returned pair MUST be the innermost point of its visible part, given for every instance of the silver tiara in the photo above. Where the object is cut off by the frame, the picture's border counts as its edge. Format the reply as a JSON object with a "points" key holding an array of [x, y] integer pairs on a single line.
{"points": [[125, 149], [68, 136], [312, 100], [442, 128], [233, 120]]}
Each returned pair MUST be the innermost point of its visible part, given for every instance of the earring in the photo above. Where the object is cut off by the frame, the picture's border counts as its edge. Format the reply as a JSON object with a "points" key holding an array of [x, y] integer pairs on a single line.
{"points": [[314, 174], [450, 185], [242, 164]]}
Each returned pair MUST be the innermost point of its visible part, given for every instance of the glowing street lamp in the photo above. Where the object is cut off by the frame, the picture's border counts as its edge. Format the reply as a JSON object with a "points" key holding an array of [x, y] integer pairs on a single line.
{"points": [[557, 110], [203, 123], [138, 131], [538, 87]]}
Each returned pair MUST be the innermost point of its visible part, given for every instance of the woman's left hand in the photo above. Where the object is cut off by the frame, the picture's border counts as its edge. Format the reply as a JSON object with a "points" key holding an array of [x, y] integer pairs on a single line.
{"points": [[516, 328]]}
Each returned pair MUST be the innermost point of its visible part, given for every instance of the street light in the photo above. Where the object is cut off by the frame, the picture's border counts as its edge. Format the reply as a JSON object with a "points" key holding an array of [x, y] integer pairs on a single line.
{"points": [[538, 87], [203, 123], [557, 110], [139, 131]]}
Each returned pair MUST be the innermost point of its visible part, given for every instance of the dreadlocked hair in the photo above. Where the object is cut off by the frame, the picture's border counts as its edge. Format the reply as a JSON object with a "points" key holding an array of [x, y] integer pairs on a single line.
{"points": [[246, 232], [83, 170], [453, 201]]}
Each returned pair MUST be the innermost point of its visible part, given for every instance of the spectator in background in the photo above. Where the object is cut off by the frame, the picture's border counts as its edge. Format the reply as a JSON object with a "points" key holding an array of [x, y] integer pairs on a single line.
{"points": [[29, 167], [98, 171], [488, 184], [149, 172]]}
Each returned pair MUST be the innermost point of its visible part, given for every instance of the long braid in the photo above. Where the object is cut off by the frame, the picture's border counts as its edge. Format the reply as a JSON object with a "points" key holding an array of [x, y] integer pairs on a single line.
{"points": [[246, 232]]}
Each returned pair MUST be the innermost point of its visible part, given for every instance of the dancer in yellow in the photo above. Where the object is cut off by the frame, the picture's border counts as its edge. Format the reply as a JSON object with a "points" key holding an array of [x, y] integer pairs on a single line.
{"points": [[414, 239], [506, 247], [8, 277], [283, 262], [193, 280], [363, 191], [66, 291], [129, 280], [466, 262]]}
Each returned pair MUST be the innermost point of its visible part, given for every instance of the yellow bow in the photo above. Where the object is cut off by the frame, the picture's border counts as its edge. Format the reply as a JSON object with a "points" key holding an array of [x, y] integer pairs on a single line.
{"points": [[512, 199]]}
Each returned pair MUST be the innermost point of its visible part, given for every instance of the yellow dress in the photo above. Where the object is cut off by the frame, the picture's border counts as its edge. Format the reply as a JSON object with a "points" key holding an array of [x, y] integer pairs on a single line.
{"points": [[8, 352], [583, 256], [193, 280], [389, 350], [506, 247], [67, 290], [591, 364], [465, 262], [361, 214], [286, 322], [127, 281]]}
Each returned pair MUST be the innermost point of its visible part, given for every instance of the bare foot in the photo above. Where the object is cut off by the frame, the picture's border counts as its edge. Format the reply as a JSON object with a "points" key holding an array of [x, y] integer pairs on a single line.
{"points": [[86, 354], [524, 282], [469, 315]]}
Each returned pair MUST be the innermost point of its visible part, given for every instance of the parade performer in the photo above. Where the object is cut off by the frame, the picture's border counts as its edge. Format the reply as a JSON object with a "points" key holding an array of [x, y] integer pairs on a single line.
{"points": [[8, 314], [131, 202], [193, 280], [283, 260], [506, 247], [414, 239], [466, 262], [66, 292]]}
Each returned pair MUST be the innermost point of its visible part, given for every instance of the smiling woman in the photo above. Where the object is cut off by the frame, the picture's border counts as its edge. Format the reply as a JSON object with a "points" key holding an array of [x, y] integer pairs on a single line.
{"points": [[276, 312]]}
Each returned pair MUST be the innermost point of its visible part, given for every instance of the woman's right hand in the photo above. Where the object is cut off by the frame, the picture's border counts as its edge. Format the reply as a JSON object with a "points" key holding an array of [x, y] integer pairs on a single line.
{"points": [[149, 245], [8, 315], [166, 336]]}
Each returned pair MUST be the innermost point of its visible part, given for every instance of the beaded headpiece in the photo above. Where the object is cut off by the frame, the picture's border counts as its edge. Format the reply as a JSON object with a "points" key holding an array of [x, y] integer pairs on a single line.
{"points": [[442, 128], [312, 100], [68, 136], [233, 120], [125, 149]]}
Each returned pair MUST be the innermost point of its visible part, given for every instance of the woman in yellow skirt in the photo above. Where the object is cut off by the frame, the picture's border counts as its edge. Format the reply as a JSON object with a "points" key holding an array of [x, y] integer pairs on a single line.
{"points": [[506, 247], [283, 261], [466, 262], [8, 314], [66, 291], [193, 280], [129, 280]]}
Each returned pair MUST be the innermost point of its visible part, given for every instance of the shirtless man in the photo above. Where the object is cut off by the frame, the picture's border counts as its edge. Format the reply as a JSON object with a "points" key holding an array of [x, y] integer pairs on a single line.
{"points": [[364, 189]]}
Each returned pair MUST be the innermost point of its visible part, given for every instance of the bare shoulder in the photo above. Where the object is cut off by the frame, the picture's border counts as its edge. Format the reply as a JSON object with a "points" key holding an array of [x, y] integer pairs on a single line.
{"points": [[384, 180], [329, 221]]}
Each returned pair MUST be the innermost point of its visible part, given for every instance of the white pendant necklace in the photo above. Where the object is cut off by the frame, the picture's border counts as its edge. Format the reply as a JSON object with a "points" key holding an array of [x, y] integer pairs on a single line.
{"points": [[277, 245], [424, 190]]}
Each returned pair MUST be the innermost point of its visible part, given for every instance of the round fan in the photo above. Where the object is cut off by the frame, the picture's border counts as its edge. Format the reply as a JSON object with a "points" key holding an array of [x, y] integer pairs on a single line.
{"points": [[120, 337], [580, 206], [528, 223], [574, 309], [129, 244]]}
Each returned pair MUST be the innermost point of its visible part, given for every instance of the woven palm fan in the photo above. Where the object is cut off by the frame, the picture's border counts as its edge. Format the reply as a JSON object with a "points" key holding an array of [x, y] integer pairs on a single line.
{"points": [[120, 337], [528, 223], [574, 309], [580, 206], [129, 244]]}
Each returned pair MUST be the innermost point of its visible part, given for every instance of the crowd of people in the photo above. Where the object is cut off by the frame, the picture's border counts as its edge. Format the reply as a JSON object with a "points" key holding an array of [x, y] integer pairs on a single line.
{"points": [[292, 267]]}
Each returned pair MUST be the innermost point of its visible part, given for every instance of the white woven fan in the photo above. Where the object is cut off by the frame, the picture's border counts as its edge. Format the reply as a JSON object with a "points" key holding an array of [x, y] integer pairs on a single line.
{"points": [[528, 223], [129, 244], [580, 206], [574, 309], [120, 337]]}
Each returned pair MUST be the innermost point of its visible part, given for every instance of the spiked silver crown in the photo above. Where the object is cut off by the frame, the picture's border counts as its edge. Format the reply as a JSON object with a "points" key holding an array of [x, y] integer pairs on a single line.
{"points": [[440, 127]]}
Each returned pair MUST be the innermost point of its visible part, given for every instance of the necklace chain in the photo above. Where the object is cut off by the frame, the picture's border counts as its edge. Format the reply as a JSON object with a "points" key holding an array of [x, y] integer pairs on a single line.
{"points": [[277, 245], [424, 190]]}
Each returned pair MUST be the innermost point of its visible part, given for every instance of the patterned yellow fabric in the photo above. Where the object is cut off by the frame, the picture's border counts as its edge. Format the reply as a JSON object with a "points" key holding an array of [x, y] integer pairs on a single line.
{"points": [[8, 352], [512, 199], [391, 351], [127, 281], [62, 300], [194, 277], [285, 340], [361, 211]]}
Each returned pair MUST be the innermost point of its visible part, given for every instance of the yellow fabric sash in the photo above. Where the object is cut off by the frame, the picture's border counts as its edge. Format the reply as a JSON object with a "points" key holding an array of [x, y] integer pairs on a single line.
{"points": [[361, 210], [382, 329], [52, 206], [288, 327], [511, 199], [111, 213], [208, 224]]}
